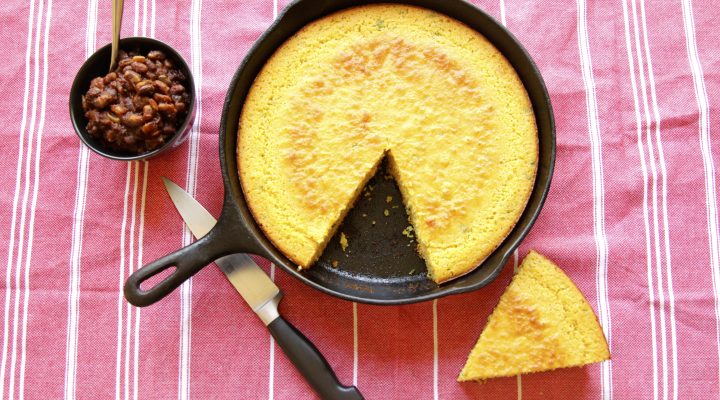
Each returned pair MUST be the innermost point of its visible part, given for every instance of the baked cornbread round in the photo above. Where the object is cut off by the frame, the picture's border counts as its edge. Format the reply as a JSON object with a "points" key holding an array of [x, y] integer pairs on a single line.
{"points": [[542, 322], [425, 90]]}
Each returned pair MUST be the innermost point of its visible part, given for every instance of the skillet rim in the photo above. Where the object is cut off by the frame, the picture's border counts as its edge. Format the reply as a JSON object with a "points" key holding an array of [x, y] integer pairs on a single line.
{"points": [[236, 216]]}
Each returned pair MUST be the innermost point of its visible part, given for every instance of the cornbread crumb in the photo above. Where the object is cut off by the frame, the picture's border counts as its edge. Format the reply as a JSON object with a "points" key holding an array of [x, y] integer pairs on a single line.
{"points": [[343, 241], [542, 322], [408, 231], [388, 199], [373, 222], [386, 212], [335, 263]]}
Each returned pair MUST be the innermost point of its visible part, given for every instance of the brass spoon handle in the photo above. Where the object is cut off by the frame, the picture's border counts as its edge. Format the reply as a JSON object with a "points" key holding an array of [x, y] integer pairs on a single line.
{"points": [[117, 13]]}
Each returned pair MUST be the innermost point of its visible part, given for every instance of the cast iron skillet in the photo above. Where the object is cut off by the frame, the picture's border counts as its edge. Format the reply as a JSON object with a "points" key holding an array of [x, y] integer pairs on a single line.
{"points": [[380, 265]]}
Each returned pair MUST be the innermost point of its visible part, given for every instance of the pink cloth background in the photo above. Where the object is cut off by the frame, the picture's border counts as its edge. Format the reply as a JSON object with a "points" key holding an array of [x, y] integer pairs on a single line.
{"points": [[631, 217]]}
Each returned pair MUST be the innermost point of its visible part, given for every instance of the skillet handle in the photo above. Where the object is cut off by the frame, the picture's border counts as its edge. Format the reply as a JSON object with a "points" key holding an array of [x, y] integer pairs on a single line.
{"points": [[186, 263]]}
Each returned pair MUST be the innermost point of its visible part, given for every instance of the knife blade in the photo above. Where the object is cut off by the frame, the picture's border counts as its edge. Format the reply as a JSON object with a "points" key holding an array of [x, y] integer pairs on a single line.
{"points": [[263, 296], [255, 287]]}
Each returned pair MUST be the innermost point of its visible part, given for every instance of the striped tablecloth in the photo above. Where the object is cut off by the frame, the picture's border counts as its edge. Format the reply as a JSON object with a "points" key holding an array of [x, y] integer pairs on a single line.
{"points": [[632, 217]]}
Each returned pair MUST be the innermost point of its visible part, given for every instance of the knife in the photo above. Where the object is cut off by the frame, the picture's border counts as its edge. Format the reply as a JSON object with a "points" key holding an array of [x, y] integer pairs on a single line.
{"points": [[263, 296]]}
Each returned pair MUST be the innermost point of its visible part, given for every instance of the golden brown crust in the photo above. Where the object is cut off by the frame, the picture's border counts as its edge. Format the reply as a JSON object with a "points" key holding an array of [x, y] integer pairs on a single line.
{"points": [[428, 91], [542, 322]]}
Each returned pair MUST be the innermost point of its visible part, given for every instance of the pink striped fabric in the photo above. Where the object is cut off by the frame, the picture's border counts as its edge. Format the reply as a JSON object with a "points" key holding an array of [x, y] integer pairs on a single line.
{"points": [[632, 217]]}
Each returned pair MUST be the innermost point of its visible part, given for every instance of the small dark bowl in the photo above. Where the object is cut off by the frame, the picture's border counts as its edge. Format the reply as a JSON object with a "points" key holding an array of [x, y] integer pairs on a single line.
{"points": [[97, 65]]}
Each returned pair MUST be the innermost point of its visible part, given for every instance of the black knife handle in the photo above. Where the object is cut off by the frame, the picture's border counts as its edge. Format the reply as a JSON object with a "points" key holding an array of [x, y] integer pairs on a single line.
{"points": [[311, 364]]}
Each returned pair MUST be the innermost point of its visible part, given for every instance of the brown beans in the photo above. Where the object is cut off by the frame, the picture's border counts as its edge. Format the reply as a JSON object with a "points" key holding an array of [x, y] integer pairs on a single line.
{"points": [[156, 55], [124, 61], [118, 109], [132, 76], [164, 78], [113, 118], [177, 89], [102, 100], [97, 83], [161, 98], [137, 107], [161, 86], [139, 67], [132, 119], [148, 113], [145, 88], [110, 78], [167, 109], [93, 92], [150, 129]]}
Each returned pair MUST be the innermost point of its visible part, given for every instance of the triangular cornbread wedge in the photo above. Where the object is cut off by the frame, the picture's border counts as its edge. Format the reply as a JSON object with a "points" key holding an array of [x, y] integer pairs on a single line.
{"points": [[542, 322]]}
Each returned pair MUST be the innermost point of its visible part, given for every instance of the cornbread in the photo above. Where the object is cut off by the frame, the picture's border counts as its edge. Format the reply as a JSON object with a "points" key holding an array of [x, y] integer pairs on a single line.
{"points": [[396, 81], [542, 322]]}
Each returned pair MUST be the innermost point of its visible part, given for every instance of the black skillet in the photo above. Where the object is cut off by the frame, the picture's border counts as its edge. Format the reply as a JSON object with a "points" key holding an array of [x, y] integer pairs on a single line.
{"points": [[380, 265]]}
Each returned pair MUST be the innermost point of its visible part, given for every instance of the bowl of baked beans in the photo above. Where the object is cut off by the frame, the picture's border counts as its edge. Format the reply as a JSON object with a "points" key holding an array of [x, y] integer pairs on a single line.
{"points": [[142, 108]]}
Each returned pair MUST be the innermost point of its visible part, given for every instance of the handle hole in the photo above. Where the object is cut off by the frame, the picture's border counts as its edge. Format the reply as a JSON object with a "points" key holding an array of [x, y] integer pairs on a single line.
{"points": [[158, 278]]}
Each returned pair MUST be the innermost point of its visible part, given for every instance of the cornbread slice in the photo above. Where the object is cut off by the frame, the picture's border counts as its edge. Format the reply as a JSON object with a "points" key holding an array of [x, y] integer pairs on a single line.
{"points": [[395, 81], [543, 322]]}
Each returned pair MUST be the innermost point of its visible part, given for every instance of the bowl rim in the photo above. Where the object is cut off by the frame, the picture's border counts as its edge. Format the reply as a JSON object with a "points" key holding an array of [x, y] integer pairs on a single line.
{"points": [[78, 120]]}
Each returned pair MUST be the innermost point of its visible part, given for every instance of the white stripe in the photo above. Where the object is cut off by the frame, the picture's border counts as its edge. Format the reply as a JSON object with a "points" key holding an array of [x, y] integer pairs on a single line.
{"points": [[152, 18], [502, 13], [185, 329], [77, 232], [121, 299], [708, 163], [435, 350], [666, 228], [503, 20], [271, 374], [131, 257], [519, 377], [519, 386], [598, 193], [141, 234], [128, 320], [355, 343], [23, 207], [643, 164], [16, 198], [656, 234], [33, 205], [191, 179], [136, 18], [74, 284], [144, 17]]}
